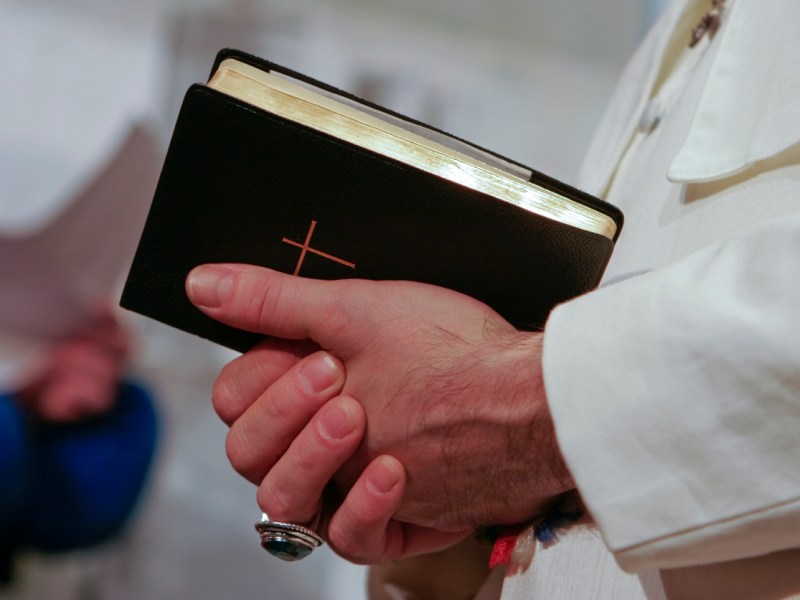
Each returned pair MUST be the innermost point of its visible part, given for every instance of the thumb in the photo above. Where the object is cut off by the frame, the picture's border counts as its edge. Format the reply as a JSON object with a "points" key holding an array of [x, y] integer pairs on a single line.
{"points": [[263, 301]]}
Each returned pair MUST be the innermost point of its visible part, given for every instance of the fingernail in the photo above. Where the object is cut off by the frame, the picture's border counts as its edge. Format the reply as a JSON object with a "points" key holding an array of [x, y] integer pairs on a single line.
{"points": [[318, 373], [209, 285], [337, 421], [383, 477]]}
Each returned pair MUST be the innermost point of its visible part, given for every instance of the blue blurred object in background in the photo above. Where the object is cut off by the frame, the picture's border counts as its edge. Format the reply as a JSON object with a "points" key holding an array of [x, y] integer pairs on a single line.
{"points": [[76, 485]]}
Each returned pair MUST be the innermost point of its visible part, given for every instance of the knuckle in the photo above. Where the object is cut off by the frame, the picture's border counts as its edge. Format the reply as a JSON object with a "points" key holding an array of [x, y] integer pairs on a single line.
{"points": [[223, 399], [239, 458], [265, 300], [338, 318], [275, 502], [342, 309], [304, 464], [311, 462], [281, 503], [250, 298], [347, 544], [280, 407]]}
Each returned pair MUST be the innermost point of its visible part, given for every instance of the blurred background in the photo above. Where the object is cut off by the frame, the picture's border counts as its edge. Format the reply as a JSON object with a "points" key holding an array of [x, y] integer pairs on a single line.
{"points": [[91, 89]]}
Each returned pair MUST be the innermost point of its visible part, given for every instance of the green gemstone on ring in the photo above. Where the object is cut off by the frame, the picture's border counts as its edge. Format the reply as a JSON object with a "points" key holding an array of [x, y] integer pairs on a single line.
{"points": [[287, 541], [286, 550]]}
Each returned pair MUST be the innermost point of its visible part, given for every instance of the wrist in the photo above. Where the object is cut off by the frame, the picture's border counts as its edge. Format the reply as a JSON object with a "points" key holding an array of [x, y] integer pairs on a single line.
{"points": [[538, 450]]}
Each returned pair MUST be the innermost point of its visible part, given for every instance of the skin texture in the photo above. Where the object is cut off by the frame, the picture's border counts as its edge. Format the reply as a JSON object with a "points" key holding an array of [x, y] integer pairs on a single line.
{"points": [[417, 413]]}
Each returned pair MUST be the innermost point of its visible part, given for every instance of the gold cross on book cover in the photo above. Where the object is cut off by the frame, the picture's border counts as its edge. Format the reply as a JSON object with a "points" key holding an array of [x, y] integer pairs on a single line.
{"points": [[305, 247], [262, 158]]}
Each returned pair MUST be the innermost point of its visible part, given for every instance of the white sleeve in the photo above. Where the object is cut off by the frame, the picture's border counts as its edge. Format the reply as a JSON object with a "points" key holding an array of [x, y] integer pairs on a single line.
{"points": [[676, 399]]}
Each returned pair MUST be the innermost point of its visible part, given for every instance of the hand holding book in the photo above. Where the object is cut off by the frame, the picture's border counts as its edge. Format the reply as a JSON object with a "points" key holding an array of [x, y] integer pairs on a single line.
{"points": [[447, 387], [440, 256]]}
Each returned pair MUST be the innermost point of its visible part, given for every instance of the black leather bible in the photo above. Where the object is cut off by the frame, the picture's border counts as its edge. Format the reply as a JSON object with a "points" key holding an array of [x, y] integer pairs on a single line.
{"points": [[269, 167]]}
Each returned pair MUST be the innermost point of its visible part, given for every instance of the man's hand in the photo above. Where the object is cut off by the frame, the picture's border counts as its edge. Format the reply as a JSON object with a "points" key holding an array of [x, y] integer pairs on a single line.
{"points": [[450, 391]]}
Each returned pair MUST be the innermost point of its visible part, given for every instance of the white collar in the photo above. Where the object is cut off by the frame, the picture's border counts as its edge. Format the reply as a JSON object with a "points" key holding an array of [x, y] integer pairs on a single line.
{"points": [[750, 107]]}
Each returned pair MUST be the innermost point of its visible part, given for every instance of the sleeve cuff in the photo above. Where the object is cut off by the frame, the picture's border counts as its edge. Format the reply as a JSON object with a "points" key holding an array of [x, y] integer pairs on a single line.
{"points": [[651, 383]]}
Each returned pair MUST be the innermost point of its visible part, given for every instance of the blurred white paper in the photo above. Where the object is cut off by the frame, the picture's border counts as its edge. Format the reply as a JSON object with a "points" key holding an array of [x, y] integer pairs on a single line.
{"points": [[77, 166], [51, 278]]}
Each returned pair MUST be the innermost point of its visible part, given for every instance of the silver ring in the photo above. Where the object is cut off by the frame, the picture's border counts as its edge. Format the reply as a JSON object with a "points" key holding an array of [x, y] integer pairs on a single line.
{"points": [[288, 541]]}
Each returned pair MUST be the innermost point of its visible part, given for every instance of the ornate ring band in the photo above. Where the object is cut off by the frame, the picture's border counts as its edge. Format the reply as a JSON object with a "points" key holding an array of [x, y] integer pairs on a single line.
{"points": [[288, 541]]}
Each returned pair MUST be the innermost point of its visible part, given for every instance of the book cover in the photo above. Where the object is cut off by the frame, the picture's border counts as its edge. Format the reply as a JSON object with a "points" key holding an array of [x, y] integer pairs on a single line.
{"points": [[272, 168]]}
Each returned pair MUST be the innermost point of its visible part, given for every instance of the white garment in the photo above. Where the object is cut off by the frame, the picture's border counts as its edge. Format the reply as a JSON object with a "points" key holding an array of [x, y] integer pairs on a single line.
{"points": [[675, 388]]}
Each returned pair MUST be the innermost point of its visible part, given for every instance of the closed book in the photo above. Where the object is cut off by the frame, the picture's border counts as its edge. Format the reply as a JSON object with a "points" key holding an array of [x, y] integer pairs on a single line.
{"points": [[269, 167]]}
